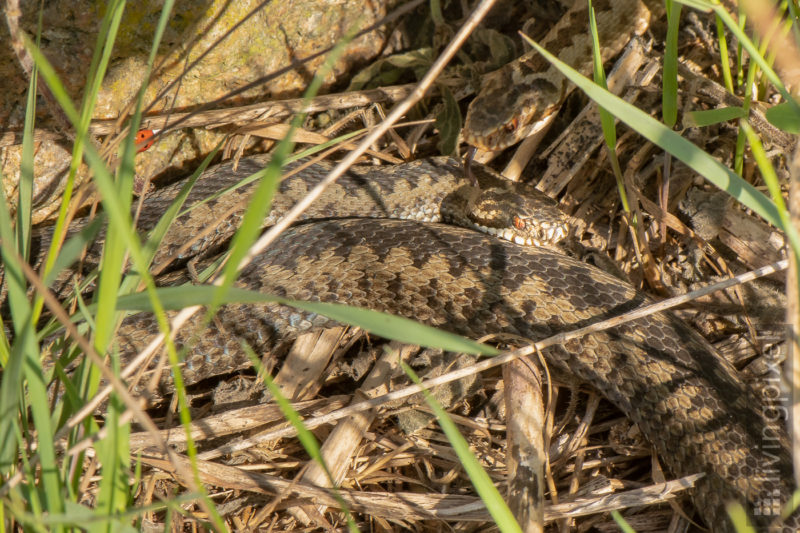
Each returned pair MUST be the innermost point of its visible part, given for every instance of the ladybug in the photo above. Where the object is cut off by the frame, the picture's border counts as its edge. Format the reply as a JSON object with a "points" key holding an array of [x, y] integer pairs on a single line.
{"points": [[144, 140]]}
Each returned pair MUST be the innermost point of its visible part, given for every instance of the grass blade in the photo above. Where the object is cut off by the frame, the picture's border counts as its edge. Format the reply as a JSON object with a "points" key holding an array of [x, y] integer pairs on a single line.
{"points": [[669, 93], [480, 479], [607, 119], [709, 117], [382, 324], [306, 438]]}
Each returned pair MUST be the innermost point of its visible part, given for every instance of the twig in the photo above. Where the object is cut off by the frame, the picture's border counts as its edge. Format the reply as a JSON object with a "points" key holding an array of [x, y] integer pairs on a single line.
{"points": [[254, 113]]}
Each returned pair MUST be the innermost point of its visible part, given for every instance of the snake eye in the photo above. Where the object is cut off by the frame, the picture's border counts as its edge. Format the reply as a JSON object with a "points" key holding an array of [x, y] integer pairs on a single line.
{"points": [[518, 223], [511, 126]]}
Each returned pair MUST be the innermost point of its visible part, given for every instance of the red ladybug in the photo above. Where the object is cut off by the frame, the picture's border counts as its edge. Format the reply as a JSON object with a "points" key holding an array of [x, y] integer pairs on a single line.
{"points": [[144, 140]]}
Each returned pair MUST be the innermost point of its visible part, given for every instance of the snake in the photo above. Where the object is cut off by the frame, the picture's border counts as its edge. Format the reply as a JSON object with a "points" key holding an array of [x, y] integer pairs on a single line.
{"points": [[376, 241], [516, 100], [359, 246]]}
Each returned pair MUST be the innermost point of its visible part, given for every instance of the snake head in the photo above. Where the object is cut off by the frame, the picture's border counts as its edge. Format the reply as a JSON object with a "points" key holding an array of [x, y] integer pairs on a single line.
{"points": [[520, 214], [513, 103]]}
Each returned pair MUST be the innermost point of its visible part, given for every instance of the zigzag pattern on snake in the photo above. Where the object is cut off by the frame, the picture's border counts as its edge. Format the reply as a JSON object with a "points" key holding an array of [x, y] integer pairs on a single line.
{"points": [[686, 399]]}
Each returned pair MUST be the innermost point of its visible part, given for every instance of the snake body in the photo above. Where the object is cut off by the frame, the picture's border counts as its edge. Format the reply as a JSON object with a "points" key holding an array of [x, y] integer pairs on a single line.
{"points": [[686, 399], [515, 100], [427, 190]]}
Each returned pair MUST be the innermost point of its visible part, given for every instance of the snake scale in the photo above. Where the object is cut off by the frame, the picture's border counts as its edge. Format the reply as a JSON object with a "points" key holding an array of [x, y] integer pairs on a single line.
{"points": [[686, 399]]}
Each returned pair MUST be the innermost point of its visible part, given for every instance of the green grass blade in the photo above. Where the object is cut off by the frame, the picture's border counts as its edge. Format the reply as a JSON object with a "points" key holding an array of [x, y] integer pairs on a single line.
{"points": [[113, 451], [792, 505], [624, 526], [25, 193], [10, 393], [382, 324], [72, 249], [172, 212], [709, 117], [669, 88], [768, 173], [45, 432], [607, 119], [491, 497], [5, 345], [766, 168], [785, 116], [394, 327], [738, 165], [19, 307], [739, 518], [740, 60], [306, 438], [722, 40]]}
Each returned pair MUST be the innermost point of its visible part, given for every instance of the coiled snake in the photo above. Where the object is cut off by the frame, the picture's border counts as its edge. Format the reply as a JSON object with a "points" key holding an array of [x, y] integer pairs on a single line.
{"points": [[687, 400]]}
